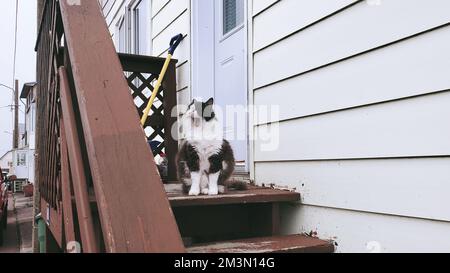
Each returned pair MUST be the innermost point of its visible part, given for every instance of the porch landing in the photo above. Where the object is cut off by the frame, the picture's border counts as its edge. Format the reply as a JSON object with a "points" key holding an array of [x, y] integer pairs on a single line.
{"points": [[274, 244], [253, 195]]}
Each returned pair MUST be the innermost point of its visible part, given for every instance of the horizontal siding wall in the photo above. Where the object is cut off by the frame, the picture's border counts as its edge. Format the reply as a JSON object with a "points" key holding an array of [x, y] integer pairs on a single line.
{"points": [[260, 5], [169, 18], [363, 92], [267, 32], [410, 68], [404, 128], [113, 10], [400, 187], [329, 40], [361, 232]]}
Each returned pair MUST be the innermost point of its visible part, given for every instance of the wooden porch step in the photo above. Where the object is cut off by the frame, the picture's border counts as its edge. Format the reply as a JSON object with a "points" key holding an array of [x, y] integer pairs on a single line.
{"points": [[254, 195], [276, 244]]}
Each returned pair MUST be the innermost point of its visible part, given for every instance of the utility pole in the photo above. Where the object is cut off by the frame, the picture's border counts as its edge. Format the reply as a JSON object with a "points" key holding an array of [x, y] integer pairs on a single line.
{"points": [[40, 9], [16, 117]]}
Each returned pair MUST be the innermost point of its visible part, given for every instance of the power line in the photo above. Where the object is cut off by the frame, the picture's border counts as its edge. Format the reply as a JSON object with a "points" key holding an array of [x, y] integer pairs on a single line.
{"points": [[15, 49], [15, 56], [10, 88], [15, 42]]}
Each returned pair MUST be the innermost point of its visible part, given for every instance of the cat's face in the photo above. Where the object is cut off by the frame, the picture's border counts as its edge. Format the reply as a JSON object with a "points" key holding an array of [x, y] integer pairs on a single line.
{"points": [[200, 122], [199, 111]]}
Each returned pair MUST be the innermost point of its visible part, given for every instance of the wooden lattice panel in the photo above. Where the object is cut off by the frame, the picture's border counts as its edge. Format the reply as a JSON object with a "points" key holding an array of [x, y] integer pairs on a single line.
{"points": [[142, 86], [142, 73]]}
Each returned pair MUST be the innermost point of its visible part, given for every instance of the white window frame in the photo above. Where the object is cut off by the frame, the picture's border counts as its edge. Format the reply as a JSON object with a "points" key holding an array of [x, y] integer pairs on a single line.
{"points": [[125, 23], [128, 21], [19, 162], [120, 23], [134, 27], [236, 28]]}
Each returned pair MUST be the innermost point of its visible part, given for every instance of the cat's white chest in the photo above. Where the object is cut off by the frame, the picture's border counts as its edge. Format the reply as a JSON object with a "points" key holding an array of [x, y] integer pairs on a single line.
{"points": [[207, 148], [206, 140]]}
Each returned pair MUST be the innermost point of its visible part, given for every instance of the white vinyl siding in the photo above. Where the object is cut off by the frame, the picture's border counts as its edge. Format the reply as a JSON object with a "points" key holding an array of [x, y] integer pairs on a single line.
{"points": [[362, 232], [398, 186], [363, 96], [267, 32], [329, 40], [170, 18], [410, 68], [260, 5], [403, 128], [167, 19]]}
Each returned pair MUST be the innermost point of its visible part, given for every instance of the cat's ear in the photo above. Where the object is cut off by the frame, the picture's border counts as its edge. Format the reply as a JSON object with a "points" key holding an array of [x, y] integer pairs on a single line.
{"points": [[194, 101], [210, 102]]}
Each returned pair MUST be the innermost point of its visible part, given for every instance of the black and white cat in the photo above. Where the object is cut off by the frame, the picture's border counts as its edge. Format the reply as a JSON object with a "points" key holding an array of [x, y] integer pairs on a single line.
{"points": [[206, 160]]}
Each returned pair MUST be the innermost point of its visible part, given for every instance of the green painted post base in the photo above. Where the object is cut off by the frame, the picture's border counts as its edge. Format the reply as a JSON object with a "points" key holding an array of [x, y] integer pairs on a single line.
{"points": [[41, 234]]}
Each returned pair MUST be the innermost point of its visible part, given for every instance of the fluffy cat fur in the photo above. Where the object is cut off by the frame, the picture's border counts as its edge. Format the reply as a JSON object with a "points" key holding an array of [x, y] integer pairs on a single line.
{"points": [[206, 160]]}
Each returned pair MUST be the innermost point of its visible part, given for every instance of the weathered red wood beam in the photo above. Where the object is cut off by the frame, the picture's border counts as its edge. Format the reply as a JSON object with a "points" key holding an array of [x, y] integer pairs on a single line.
{"points": [[134, 210], [68, 216], [170, 118], [78, 172]]}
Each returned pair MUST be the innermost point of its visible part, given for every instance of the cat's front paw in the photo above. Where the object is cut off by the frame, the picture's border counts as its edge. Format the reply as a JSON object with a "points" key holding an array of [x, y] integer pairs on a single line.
{"points": [[194, 192], [213, 191]]}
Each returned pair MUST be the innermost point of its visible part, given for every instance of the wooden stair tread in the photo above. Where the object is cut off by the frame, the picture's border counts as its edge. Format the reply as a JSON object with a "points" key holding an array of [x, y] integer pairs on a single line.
{"points": [[254, 195], [276, 244]]}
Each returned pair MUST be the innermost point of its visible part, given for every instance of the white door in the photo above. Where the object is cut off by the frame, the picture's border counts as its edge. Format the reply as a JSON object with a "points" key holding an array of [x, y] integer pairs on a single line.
{"points": [[231, 72], [220, 66]]}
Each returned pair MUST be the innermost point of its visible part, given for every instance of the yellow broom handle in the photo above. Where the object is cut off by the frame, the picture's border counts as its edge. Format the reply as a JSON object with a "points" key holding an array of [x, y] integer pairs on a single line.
{"points": [[156, 90]]}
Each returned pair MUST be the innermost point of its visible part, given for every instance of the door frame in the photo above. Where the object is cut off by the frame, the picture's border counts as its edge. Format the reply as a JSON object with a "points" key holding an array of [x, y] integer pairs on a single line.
{"points": [[198, 57]]}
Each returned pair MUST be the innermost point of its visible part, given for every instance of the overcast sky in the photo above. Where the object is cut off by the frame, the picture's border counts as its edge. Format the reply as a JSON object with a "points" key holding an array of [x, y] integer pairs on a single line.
{"points": [[25, 63]]}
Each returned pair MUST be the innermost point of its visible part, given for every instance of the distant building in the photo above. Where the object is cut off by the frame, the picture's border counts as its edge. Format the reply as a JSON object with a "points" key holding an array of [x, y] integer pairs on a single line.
{"points": [[6, 162], [23, 158], [29, 138], [19, 158]]}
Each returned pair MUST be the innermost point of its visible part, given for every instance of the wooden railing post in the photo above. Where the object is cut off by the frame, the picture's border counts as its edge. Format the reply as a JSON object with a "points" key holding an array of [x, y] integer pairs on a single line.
{"points": [[170, 119], [78, 172], [66, 185]]}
